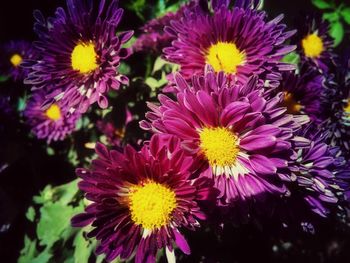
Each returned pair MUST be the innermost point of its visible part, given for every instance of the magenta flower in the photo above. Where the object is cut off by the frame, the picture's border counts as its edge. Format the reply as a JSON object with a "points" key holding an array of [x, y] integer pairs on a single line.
{"points": [[53, 122], [239, 41], [243, 138], [12, 55], [141, 200], [79, 53]]}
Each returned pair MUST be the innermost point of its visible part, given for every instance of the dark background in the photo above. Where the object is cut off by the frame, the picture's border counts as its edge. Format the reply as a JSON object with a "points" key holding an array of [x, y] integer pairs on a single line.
{"points": [[30, 168]]}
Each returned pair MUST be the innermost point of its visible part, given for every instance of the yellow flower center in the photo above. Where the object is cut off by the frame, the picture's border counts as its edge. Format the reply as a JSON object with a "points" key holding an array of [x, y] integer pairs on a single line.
{"points": [[84, 58], [151, 205], [312, 45], [225, 56], [293, 107], [53, 112], [347, 107], [219, 145], [16, 60]]}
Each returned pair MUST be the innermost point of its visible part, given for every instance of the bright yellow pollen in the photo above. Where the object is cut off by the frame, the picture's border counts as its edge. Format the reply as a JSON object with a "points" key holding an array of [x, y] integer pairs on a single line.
{"points": [[84, 58], [16, 60], [312, 45], [53, 112], [293, 107], [347, 107], [151, 205], [219, 145], [225, 56]]}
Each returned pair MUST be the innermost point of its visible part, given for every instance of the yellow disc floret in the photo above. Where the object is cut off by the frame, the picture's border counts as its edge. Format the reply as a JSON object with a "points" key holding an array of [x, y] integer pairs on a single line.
{"points": [[293, 107], [312, 45], [225, 56], [219, 145], [84, 58], [16, 60], [347, 107], [53, 112], [151, 205]]}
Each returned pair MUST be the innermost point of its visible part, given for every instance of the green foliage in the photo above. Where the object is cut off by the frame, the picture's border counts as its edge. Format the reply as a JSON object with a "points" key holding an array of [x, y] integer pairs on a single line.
{"points": [[158, 77], [337, 32], [336, 16], [323, 4], [146, 10], [30, 215], [21, 105], [345, 13], [292, 58], [4, 78], [53, 230]]}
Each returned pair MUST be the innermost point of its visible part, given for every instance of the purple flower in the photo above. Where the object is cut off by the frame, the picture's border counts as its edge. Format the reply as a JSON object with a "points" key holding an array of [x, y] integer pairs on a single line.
{"points": [[302, 92], [140, 200], [336, 109], [314, 43], [239, 41], [321, 173], [153, 37], [80, 53], [12, 55], [242, 138], [53, 122]]}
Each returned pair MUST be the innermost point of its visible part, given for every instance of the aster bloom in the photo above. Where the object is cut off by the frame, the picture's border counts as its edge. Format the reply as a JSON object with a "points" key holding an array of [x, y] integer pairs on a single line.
{"points": [[80, 53], [153, 37], [12, 55], [242, 138], [314, 43], [239, 41], [53, 122], [140, 200], [302, 92], [336, 105], [321, 172]]}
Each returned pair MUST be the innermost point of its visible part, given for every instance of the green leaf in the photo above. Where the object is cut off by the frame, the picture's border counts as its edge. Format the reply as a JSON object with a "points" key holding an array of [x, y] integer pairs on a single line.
{"points": [[28, 252], [43, 257], [337, 32], [159, 64], [45, 195], [50, 151], [64, 194], [292, 58], [138, 7], [4, 78], [55, 218], [30, 215], [124, 69], [331, 16], [322, 4], [83, 248], [21, 103], [345, 13]]}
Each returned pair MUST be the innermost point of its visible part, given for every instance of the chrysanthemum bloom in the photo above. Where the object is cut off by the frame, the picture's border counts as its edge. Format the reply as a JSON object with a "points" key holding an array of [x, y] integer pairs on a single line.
{"points": [[140, 200], [242, 138], [153, 37], [11, 57], [53, 122], [80, 53], [321, 173], [314, 43], [302, 92], [238, 41], [336, 105]]}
